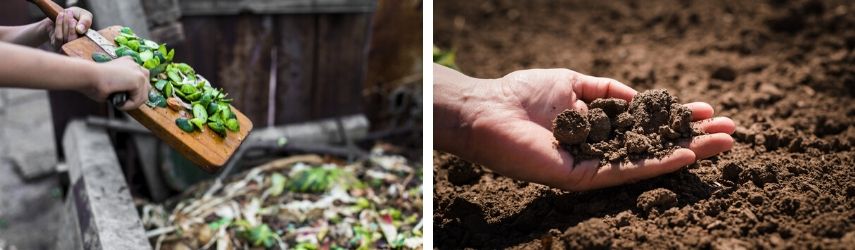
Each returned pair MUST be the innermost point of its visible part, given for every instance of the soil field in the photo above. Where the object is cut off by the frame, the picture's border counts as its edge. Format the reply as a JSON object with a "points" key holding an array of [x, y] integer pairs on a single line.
{"points": [[784, 71]]}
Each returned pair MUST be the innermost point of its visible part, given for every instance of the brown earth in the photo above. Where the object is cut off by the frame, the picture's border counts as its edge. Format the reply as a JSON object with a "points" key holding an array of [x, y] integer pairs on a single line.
{"points": [[784, 71], [652, 126]]}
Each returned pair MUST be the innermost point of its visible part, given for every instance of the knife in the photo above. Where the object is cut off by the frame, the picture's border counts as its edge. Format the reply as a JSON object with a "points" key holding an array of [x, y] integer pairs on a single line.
{"points": [[52, 10]]}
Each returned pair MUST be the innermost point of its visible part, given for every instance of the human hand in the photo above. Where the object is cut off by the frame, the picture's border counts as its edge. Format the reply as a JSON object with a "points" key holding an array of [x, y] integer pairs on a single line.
{"points": [[120, 75], [70, 24], [509, 123]]}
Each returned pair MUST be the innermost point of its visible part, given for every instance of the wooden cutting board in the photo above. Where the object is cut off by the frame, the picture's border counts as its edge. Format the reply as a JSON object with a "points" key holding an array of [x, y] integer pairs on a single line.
{"points": [[206, 149]]}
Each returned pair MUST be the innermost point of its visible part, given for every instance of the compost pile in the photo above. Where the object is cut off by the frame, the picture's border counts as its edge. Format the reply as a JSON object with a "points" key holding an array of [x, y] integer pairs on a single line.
{"points": [[300, 202], [651, 125], [784, 71]]}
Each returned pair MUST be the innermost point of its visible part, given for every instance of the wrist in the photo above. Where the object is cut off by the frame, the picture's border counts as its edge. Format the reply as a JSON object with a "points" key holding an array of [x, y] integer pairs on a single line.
{"points": [[92, 77], [41, 30], [458, 102]]}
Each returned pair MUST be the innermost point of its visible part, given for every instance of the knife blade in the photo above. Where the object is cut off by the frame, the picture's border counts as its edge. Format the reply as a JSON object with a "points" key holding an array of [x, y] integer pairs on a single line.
{"points": [[102, 42]]}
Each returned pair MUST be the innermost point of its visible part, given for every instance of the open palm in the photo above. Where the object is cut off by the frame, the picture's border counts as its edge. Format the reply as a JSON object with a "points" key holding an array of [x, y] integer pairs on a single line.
{"points": [[512, 131]]}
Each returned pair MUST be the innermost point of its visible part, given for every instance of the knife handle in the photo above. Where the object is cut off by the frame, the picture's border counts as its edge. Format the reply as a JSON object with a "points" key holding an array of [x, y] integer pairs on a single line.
{"points": [[118, 99], [50, 8]]}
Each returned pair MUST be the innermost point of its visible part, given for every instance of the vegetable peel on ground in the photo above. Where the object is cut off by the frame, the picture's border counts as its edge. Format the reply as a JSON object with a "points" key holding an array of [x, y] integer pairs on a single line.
{"points": [[266, 207]]}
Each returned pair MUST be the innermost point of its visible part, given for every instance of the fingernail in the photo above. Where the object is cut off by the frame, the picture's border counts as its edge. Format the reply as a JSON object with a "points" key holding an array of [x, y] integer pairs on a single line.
{"points": [[80, 28]]}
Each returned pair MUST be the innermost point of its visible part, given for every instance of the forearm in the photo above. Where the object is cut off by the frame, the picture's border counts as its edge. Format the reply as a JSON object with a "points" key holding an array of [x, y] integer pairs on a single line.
{"points": [[24, 67], [31, 35], [457, 99]]}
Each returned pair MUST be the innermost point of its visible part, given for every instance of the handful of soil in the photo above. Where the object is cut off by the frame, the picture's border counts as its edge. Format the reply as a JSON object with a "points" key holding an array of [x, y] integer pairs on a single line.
{"points": [[613, 130]]}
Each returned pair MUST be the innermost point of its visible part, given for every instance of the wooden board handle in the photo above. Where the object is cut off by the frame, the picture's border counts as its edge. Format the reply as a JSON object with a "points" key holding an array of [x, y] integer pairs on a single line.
{"points": [[50, 8]]}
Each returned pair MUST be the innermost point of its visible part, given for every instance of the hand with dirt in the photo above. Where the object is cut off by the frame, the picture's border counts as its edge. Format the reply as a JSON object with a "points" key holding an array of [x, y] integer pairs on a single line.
{"points": [[505, 124]]}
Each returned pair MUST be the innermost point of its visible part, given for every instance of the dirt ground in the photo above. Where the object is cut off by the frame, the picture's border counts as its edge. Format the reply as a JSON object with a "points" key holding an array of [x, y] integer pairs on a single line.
{"points": [[784, 71]]}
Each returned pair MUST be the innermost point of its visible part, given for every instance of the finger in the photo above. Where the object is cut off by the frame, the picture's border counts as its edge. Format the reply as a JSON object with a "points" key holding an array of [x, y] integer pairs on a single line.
{"points": [[141, 92], [138, 96], [64, 27], [581, 106], [84, 19], [621, 173], [700, 110], [57, 28], [706, 146], [144, 71], [142, 96], [716, 125], [588, 88], [71, 23]]}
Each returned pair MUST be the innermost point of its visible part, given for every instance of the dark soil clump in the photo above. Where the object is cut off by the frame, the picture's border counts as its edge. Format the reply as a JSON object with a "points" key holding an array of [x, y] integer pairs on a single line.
{"points": [[650, 126], [658, 198], [571, 127]]}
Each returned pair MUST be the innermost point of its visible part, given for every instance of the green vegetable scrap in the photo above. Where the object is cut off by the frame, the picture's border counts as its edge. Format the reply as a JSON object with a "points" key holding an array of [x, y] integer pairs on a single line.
{"points": [[260, 235], [101, 57], [444, 57], [314, 180], [179, 82]]}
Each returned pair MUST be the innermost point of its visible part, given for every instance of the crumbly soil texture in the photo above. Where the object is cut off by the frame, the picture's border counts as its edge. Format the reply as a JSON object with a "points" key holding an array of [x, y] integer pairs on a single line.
{"points": [[652, 125], [784, 71]]}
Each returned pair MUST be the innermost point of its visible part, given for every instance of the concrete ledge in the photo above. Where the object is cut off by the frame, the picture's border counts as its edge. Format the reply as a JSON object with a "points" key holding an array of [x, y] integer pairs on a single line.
{"points": [[99, 208], [323, 131]]}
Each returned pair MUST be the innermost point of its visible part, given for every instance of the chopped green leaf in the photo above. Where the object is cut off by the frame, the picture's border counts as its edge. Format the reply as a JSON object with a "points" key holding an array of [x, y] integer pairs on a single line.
{"points": [[277, 184], [146, 55], [233, 125], [127, 30], [167, 90], [134, 45], [184, 124], [160, 84], [218, 128], [199, 112], [200, 123], [101, 57], [151, 63], [214, 225], [121, 40]]}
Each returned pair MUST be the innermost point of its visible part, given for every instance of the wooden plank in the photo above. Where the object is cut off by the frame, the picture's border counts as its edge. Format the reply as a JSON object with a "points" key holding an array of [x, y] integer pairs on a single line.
{"points": [[163, 20], [296, 56], [341, 63], [235, 53], [232, 7], [206, 149], [127, 13], [246, 63], [161, 12]]}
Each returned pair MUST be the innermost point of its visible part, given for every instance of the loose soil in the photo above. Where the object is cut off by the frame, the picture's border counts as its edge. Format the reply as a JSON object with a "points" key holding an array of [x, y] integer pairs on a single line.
{"points": [[651, 126], [784, 71]]}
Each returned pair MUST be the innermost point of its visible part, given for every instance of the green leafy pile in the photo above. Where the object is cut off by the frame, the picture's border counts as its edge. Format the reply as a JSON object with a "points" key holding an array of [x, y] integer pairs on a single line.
{"points": [[178, 86]]}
